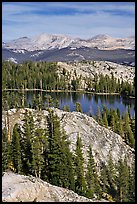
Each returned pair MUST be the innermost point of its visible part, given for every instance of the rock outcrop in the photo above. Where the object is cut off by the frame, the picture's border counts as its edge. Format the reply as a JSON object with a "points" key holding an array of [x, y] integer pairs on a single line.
{"points": [[20, 188], [102, 140], [89, 69]]}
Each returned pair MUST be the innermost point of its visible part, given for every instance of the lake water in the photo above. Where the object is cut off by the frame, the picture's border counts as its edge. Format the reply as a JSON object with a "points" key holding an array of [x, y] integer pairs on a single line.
{"points": [[89, 102]]}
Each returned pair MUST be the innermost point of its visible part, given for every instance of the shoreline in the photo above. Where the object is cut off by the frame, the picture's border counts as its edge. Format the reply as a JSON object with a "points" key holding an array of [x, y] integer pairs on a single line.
{"points": [[66, 91], [42, 90]]}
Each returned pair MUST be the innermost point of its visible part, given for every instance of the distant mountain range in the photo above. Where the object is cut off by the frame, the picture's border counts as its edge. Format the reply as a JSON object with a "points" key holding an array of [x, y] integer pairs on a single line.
{"points": [[64, 48], [48, 42]]}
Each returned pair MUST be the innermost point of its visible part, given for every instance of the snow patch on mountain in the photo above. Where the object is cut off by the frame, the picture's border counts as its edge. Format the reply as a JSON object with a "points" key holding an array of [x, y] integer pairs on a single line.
{"points": [[12, 60], [48, 41], [36, 54], [19, 51]]}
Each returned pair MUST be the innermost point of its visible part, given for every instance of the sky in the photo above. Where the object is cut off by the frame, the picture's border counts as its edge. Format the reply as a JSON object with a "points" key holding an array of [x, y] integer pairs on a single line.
{"points": [[76, 19]]}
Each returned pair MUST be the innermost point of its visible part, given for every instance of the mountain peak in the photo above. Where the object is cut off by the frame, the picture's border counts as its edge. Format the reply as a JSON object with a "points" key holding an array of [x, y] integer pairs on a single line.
{"points": [[101, 36], [22, 38], [47, 41]]}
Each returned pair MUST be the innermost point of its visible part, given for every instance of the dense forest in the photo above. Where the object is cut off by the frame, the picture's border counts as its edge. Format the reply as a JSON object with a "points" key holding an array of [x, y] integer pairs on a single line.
{"points": [[123, 125], [45, 153], [45, 75]]}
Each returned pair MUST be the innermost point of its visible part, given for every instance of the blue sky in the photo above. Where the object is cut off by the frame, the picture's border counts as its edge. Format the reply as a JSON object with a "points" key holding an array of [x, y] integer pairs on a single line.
{"points": [[76, 19]]}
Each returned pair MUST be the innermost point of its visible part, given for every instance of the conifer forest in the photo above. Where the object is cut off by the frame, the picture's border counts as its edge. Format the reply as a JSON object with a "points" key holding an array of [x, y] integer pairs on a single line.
{"points": [[45, 153]]}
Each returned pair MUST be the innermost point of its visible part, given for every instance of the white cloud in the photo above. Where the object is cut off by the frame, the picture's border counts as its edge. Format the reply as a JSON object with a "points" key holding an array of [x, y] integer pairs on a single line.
{"points": [[78, 25]]}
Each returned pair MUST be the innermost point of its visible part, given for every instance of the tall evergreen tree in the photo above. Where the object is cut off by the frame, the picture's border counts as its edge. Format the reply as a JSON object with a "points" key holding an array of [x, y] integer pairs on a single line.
{"points": [[131, 184], [104, 178], [16, 149], [120, 129], [133, 125], [104, 119], [34, 102], [99, 116], [67, 170], [57, 157], [111, 176], [26, 142], [118, 113], [80, 184], [93, 186], [37, 158], [128, 134], [54, 149], [112, 123], [6, 150], [40, 104], [38, 147], [122, 180]]}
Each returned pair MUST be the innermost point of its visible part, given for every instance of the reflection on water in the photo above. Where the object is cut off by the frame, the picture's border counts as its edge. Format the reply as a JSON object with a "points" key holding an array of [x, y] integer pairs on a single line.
{"points": [[89, 102]]}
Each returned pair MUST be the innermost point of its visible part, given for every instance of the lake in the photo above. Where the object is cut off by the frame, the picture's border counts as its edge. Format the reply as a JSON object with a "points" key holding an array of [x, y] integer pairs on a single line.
{"points": [[89, 102]]}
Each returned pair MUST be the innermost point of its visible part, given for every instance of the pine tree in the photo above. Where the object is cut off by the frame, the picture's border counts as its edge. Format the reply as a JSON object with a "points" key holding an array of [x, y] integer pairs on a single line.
{"points": [[129, 111], [96, 83], [91, 176], [49, 100], [99, 116], [40, 104], [16, 149], [37, 158], [66, 108], [116, 118], [57, 157], [38, 146], [112, 123], [80, 184], [34, 102], [122, 180], [6, 150], [71, 171], [118, 113], [111, 176], [131, 139], [104, 178], [26, 142], [74, 84], [56, 101], [131, 184], [67, 170], [120, 129], [104, 120], [133, 125], [54, 149], [128, 134], [78, 107]]}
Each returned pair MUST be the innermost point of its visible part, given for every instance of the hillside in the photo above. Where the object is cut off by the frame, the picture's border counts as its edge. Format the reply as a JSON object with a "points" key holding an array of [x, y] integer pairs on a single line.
{"points": [[66, 149], [89, 69], [74, 123], [47, 47]]}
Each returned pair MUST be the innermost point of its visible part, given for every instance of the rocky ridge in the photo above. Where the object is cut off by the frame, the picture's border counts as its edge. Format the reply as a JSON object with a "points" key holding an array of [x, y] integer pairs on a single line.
{"points": [[20, 188], [102, 140], [90, 68]]}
